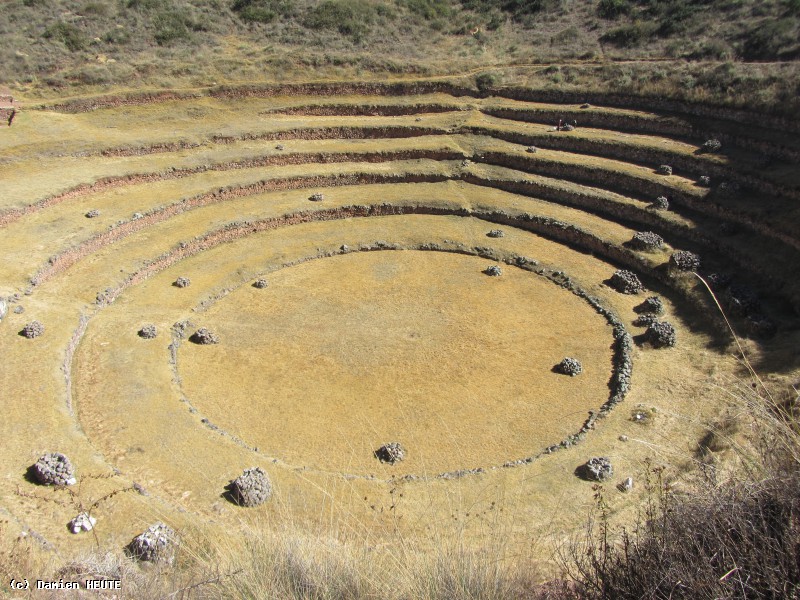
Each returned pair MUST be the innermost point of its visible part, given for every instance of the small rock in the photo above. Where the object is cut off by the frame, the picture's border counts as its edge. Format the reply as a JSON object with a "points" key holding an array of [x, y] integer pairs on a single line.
{"points": [[567, 127], [204, 337], [496, 233], [251, 488], [626, 485], [531, 149], [623, 438], [683, 260], [279, 147], [54, 468], [137, 216], [344, 248], [586, 105], [156, 544], [32, 330], [19, 309], [83, 522], [260, 284], [626, 282], [569, 366], [92, 214], [493, 271], [318, 197], [391, 453], [182, 282], [664, 170]]}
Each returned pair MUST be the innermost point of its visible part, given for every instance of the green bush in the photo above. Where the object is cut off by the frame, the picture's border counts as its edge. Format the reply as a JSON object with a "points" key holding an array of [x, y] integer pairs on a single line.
{"points": [[261, 11], [148, 4], [67, 33], [100, 9], [169, 27], [611, 9], [485, 81], [629, 36], [428, 9], [518, 9], [117, 36], [349, 17], [770, 39]]}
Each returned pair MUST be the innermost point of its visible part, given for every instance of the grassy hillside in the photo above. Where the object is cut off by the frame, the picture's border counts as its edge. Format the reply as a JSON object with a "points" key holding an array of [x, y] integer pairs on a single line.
{"points": [[703, 50]]}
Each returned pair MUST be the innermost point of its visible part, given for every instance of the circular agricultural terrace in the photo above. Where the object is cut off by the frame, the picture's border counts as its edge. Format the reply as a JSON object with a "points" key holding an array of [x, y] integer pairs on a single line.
{"points": [[294, 278]]}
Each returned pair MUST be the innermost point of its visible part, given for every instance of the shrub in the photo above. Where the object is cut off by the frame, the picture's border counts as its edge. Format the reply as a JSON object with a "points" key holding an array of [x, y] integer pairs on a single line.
{"points": [[95, 8], [518, 9], [146, 4], [428, 9], [261, 11], [170, 26], [736, 541], [349, 17], [72, 37], [485, 81], [629, 36], [770, 39], [611, 9]]}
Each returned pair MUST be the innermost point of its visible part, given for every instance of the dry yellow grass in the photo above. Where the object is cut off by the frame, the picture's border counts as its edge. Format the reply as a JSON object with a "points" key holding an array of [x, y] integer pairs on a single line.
{"points": [[338, 354]]}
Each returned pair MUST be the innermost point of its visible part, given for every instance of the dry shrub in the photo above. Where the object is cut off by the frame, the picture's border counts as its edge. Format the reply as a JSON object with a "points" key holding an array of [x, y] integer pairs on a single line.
{"points": [[737, 540]]}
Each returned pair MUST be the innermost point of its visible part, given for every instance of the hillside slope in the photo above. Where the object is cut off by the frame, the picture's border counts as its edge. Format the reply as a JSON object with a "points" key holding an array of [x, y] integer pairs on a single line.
{"points": [[720, 50]]}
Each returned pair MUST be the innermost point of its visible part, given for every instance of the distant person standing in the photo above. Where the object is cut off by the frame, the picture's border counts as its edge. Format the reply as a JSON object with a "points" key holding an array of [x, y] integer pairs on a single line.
{"points": [[11, 116]]}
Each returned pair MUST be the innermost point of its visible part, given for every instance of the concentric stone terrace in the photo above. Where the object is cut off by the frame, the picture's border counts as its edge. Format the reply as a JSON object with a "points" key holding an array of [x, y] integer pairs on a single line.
{"points": [[278, 281]]}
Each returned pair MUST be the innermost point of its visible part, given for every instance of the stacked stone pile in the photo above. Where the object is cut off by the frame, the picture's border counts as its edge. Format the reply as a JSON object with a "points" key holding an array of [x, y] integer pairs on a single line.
{"points": [[626, 282], [391, 453], [647, 240], [569, 366], [661, 335], [251, 488], [32, 330], [54, 468], [683, 260], [148, 331], [156, 544], [598, 468], [204, 337]]}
